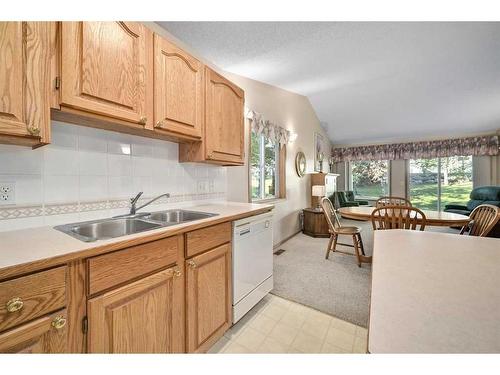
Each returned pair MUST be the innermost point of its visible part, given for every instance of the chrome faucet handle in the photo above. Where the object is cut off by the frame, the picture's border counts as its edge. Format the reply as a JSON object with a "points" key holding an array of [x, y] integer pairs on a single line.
{"points": [[136, 198]]}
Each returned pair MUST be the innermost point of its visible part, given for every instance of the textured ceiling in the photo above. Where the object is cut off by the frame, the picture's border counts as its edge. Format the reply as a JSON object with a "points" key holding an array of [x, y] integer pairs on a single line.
{"points": [[368, 82]]}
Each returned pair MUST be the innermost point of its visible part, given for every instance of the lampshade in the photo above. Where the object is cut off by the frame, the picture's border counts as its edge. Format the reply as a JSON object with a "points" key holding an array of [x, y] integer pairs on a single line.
{"points": [[318, 190]]}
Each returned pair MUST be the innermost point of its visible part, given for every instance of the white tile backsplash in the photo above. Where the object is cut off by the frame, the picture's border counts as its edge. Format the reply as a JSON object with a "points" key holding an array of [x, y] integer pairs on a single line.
{"points": [[88, 165], [20, 160]]}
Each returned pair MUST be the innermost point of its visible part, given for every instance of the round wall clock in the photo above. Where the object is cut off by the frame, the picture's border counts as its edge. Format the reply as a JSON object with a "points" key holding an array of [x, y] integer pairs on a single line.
{"points": [[300, 164]]}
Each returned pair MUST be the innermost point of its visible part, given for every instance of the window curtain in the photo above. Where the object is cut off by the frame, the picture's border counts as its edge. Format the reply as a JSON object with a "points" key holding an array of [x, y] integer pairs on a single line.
{"points": [[475, 146], [272, 131]]}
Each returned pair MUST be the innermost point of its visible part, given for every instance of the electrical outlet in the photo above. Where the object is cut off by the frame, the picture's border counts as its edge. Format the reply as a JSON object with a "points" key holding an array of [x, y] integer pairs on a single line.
{"points": [[7, 193], [202, 187]]}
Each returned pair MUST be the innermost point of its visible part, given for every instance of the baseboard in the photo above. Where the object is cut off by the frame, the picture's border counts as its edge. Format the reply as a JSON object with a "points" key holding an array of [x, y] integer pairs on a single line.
{"points": [[286, 239]]}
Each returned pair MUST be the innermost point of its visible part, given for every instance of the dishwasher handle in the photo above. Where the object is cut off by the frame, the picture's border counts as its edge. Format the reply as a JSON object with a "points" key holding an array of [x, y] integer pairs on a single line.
{"points": [[244, 231]]}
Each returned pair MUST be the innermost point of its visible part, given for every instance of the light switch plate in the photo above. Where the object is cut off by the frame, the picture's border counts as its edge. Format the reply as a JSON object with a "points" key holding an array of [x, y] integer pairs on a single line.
{"points": [[7, 193]]}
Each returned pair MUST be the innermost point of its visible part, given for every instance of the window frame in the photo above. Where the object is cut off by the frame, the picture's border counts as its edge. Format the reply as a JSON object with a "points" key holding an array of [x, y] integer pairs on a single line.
{"points": [[351, 183], [280, 192]]}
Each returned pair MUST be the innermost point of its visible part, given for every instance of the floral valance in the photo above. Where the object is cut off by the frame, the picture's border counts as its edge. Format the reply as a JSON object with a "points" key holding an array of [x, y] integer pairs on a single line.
{"points": [[477, 146], [275, 133]]}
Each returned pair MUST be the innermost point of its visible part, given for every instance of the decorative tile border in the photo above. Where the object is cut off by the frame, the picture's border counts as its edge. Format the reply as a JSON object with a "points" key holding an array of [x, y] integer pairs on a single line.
{"points": [[18, 212]]}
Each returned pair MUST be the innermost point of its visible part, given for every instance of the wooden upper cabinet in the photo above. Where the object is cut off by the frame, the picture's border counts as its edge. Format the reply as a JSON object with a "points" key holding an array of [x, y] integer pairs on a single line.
{"points": [[208, 298], [24, 83], [44, 335], [224, 132], [107, 69], [146, 316], [223, 135], [178, 82]]}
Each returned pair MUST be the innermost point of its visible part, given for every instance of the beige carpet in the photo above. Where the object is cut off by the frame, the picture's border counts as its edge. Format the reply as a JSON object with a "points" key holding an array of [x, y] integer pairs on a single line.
{"points": [[336, 286]]}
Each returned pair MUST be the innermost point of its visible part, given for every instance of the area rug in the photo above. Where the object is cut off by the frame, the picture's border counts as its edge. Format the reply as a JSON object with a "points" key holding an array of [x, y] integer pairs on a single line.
{"points": [[336, 286]]}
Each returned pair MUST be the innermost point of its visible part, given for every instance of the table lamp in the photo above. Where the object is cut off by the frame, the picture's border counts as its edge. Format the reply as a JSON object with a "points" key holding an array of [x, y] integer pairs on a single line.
{"points": [[319, 192]]}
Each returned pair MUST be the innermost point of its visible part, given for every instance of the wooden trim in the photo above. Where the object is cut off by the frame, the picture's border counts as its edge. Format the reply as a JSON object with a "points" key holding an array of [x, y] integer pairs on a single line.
{"points": [[20, 269], [282, 172], [76, 277], [93, 120], [249, 153]]}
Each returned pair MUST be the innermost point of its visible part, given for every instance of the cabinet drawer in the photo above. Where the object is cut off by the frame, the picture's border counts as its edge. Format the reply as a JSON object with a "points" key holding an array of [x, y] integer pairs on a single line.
{"points": [[205, 239], [32, 296], [106, 271]]}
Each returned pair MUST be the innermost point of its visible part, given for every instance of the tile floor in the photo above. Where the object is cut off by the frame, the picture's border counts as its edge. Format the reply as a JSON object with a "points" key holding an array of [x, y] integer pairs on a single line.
{"points": [[277, 325]]}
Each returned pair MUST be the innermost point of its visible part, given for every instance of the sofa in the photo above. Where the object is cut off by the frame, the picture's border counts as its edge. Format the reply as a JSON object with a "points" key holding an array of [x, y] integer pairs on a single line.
{"points": [[480, 195], [346, 199]]}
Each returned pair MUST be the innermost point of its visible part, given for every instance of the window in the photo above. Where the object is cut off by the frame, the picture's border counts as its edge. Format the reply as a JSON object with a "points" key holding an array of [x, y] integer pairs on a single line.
{"points": [[434, 183], [370, 178], [265, 167]]}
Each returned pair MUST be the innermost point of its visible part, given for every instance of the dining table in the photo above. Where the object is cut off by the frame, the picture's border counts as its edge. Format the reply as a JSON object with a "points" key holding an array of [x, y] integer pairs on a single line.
{"points": [[433, 218], [434, 293]]}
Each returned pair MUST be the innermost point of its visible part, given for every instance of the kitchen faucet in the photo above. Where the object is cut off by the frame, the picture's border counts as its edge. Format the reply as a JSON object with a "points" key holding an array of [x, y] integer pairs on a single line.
{"points": [[133, 202]]}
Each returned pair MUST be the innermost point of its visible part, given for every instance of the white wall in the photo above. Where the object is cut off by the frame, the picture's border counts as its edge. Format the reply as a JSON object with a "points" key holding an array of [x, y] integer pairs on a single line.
{"points": [[88, 173]]}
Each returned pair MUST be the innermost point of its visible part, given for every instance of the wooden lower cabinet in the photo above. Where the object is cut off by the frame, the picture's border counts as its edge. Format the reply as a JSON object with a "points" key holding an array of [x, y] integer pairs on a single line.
{"points": [[48, 334], [146, 316], [208, 298]]}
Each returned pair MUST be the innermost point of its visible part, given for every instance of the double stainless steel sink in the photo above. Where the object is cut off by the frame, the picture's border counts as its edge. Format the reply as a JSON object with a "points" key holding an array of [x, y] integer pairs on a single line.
{"points": [[90, 231]]}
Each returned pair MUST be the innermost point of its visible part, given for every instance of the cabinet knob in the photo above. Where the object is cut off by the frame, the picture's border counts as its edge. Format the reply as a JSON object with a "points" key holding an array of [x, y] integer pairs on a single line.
{"points": [[210, 155], [15, 304], [159, 123], [143, 120], [59, 322], [34, 131], [177, 273], [191, 263]]}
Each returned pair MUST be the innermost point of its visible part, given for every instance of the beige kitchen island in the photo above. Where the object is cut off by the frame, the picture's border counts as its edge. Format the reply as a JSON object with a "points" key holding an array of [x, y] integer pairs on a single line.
{"points": [[434, 293]]}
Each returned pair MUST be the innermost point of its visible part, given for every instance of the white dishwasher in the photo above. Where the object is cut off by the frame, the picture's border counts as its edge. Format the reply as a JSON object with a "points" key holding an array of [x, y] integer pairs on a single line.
{"points": [[252, 262]]}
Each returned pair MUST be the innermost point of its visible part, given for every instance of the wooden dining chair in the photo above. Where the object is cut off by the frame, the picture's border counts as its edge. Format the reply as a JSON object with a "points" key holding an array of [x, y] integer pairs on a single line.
{"points": [[336, 230], [392, 201], [398, 217], [483, 219]]}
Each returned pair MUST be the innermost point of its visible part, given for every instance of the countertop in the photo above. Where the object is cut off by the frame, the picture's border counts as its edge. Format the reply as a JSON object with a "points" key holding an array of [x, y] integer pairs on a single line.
{"points": [[27, 250], [434, 293]]}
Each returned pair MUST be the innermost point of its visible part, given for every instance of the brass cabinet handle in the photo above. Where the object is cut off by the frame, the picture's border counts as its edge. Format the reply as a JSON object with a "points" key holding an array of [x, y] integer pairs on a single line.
{"points": [[33, 130], [210, 155], [159, 123], [191, 263], [59, 322], [177, 273], [143, 120], [15, 304]]}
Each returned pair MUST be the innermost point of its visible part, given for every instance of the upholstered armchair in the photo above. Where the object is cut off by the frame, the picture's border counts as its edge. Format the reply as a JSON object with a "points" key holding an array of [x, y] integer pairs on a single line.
{"points": [[346, 199], [478, 196]]}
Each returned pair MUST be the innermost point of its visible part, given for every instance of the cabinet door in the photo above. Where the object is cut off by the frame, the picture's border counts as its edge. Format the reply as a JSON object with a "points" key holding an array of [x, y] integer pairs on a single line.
{"points": [[44, 335], [224, 130], [209, 298], [24, 82], [142, 317], [106, 69], [178, 90]]}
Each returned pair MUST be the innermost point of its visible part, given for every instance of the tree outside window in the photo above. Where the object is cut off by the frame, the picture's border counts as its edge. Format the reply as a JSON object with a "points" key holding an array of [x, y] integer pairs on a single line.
{"points": [[264, 165], [370, 178]]}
